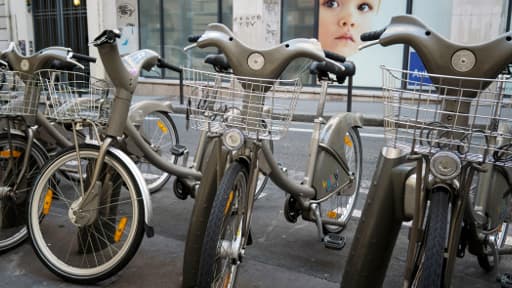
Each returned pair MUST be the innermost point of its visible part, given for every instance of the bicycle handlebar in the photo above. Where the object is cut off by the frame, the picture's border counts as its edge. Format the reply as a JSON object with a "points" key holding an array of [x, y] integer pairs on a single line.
{"points": [[50, 57], [258, 63], [83, 57], [442, 56], [372, 35], [219, 62], [334, 56], [162, 64]]}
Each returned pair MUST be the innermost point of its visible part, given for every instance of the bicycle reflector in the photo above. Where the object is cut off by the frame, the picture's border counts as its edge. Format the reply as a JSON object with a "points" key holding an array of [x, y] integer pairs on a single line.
{"points": [[233, 139], [445, 165]]}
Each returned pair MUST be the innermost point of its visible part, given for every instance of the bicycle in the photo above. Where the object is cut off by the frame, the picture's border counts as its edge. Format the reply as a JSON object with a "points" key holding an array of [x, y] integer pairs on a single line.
{"points": [[27, 129], [252, 105], [446, 164], [86, 228]]}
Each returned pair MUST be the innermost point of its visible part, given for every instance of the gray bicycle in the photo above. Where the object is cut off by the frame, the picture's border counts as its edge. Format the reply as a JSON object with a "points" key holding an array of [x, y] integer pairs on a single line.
{"points": [[86, 224], [251, 106], [446, 164]]}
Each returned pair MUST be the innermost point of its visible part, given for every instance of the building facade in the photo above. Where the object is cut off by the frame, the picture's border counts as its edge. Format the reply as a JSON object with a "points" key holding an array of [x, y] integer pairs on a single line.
{"points": [[164, 26]]}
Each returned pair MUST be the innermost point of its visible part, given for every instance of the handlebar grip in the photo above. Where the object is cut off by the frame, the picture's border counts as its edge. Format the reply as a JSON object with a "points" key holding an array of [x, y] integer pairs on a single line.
{"points": [[350, 68], [334, 56], [194, 38], [372, 35], [162, 64], [218, 61], [87, 58]]}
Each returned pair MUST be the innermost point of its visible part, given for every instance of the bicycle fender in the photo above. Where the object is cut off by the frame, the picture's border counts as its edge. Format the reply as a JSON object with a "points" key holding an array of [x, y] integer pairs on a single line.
{"points": [[148, 208], [328, 173], [139, 110]]}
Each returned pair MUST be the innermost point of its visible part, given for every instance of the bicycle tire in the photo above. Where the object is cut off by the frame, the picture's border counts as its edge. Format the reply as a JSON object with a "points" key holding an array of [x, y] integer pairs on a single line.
{"points": [[436, 230], [198, 221], [14, 211], [229, 202], [333, 204], [50, 232], [162, 140]]}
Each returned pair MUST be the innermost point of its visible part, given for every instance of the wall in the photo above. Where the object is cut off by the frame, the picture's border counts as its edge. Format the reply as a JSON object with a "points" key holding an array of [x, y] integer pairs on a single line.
{"points": [[257, 22], [475, 21], [128, 24], [16, 25]]}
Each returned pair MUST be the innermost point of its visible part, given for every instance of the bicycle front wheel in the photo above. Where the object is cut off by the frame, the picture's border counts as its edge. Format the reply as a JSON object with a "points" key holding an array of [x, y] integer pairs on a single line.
{"points": [[340, 207], [91, 243], [13, 205], [225, 235], [159, 129], [430, 271]]}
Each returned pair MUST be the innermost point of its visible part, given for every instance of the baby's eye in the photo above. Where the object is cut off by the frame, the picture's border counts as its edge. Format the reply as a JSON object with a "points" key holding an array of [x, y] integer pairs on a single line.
{"points": [[365, 7], [331, 4]]}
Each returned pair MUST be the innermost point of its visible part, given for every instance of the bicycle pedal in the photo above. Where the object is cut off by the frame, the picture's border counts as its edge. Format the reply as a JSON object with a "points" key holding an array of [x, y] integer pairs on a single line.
{"points": [[178, 150], [334, 241]]}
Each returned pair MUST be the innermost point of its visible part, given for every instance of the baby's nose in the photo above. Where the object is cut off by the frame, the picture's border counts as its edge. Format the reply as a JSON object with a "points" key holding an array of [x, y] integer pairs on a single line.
{"points": [[345, 22]]}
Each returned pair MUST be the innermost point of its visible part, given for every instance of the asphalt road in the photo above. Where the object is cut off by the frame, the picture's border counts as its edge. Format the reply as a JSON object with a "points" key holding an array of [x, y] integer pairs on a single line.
{"points": [[283, 254]]}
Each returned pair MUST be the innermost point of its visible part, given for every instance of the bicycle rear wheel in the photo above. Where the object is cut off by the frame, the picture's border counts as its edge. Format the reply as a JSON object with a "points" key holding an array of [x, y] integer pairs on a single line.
{"points": [[13, 205], [225, 235], [159, 129], [340, 207], [88, 245]]}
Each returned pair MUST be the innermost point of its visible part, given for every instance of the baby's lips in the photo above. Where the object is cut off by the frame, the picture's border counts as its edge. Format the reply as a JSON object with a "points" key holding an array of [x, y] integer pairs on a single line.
{"points": [[345, 36]]}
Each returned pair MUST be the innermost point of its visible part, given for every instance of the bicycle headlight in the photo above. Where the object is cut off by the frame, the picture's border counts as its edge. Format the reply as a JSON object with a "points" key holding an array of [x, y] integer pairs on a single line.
{"points": [[445, 165], [233, 139]]}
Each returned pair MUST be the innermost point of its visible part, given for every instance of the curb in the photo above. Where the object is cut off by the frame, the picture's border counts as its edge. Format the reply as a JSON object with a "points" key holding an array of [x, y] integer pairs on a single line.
{"points": [[367, 121]]}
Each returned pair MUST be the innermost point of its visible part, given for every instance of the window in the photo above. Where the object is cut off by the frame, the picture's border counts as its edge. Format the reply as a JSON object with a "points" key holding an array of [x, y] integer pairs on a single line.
{"points": [[179, 19]]}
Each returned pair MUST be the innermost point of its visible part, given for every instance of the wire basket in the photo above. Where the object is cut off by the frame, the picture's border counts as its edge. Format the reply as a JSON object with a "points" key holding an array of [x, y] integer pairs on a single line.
{"points": [[74, 96], [19, 94], [259, 108], [426, 113]]}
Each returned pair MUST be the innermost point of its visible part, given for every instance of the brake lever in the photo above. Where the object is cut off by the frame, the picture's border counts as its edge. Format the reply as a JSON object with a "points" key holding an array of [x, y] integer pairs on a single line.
{"points": [[190, 47], [368, 44]]}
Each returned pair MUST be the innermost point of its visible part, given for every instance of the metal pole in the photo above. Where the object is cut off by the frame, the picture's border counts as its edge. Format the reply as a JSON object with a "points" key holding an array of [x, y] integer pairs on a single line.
{"points": [[181, 87], [349, 94]]}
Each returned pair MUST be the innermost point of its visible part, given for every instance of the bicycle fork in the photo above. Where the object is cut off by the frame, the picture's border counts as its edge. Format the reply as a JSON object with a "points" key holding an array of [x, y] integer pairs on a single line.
{"points": [[90, 200]]}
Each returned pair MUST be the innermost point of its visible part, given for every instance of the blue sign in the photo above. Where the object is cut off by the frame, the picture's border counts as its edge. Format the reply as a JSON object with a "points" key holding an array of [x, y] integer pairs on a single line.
{"points": [[417, 71]]}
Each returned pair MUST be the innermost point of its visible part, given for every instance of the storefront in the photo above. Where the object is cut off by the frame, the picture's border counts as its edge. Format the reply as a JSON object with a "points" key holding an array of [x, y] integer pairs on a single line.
{"points": [[165, 25]]}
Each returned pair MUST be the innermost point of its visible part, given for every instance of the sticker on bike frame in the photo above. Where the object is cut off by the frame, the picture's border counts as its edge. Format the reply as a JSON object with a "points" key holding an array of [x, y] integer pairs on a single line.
{"points": [[9, 154], [228, 204], [120, 229], [47, 202], [348, 141], [162, 127], [332, 214]]}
